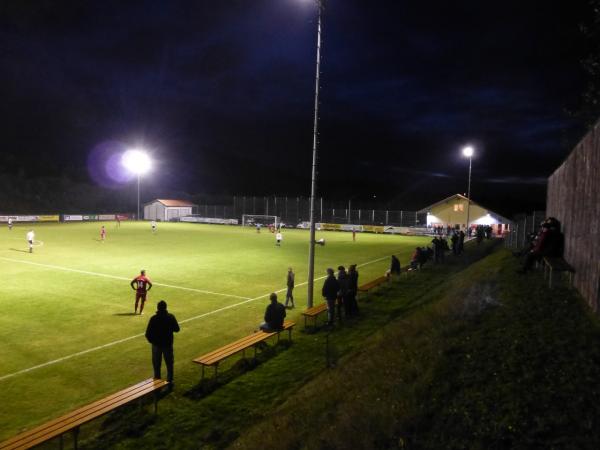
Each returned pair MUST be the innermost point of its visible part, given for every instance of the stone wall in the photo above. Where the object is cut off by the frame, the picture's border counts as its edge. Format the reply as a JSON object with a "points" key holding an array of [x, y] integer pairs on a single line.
{"points": [[574, 199]]}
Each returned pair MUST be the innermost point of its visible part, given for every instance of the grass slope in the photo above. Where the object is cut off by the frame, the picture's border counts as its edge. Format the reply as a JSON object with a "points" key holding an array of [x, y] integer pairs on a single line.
{"points": [[200, 416], [51, 314], [498, 361]]}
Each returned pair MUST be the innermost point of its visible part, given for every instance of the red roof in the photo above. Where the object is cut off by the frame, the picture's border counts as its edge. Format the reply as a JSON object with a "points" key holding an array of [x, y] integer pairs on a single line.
{"points": [[173, 202]]}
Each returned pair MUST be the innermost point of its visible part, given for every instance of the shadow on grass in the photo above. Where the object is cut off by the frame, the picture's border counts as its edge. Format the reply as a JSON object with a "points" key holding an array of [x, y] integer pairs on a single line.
{"points": [[209, 383], [125, 314], [17, 250]]}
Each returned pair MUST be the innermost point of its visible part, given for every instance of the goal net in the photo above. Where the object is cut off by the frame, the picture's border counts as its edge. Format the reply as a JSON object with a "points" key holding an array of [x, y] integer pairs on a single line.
{"points": [[264, 220]]}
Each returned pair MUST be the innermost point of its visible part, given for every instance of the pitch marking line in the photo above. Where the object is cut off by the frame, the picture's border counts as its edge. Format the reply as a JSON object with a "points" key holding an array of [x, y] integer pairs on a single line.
{"points": [[114, 277], [120, 341]]}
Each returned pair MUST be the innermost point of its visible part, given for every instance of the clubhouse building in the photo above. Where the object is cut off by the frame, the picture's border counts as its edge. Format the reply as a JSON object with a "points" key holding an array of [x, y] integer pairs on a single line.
{"points": [[452, 211]]}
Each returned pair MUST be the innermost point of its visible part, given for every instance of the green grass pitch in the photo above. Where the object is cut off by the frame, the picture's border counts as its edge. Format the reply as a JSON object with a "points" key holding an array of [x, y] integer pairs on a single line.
{"points": [[67, 331]]}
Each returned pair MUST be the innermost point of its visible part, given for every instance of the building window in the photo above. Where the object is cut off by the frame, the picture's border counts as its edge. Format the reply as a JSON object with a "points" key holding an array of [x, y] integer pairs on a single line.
{"points": [[459, 207]]}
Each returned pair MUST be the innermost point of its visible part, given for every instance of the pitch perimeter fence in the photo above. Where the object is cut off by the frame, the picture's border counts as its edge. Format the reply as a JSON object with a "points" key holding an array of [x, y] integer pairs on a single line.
{"points": [[523, 225], [294, 210]]}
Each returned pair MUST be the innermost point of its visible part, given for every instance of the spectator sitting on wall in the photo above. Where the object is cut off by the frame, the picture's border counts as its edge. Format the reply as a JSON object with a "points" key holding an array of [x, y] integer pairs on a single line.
{"points": [[548, 243]]}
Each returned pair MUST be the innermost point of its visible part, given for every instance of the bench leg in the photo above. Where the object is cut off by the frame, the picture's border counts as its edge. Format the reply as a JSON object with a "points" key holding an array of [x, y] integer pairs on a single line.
{"points": [[304, 321], [61, 442], [202, 378], [290, 334], [75, 435], [155, 403], [216, 371]]}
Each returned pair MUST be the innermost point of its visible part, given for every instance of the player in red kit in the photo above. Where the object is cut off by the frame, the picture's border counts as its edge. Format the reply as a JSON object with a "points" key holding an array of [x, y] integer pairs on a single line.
{"points": [[141, 285], [102, 233]]}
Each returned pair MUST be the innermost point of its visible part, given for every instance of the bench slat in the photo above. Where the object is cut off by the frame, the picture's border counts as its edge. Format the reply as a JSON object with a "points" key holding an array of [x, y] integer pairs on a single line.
{"points": [[82, 415], [370, 285], [315, 310], [224, 352]]}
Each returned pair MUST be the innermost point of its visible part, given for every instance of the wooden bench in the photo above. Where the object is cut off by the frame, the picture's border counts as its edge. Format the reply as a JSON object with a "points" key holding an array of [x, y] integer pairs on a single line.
{"points": [[371, 284], [314, 312], [73, 420], [216, 356], [557, 264]]}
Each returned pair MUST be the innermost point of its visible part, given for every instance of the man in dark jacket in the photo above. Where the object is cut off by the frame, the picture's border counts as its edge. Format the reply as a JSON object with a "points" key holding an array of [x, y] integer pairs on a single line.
{"points": [[160, 334], [395, 267], [274, 315], [352, 291], [289, 296], [330, 292]]}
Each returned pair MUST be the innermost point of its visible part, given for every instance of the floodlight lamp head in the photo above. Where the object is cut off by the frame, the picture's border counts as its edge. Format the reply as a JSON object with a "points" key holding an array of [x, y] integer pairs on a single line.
{"points": [[468, 151], [136, 161]]}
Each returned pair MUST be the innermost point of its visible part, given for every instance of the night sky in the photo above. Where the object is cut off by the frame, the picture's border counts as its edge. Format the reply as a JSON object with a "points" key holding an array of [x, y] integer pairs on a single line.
{"points": [[221, 94]]}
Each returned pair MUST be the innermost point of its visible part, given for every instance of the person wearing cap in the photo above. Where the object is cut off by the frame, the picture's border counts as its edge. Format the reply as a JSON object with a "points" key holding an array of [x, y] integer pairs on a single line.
{"points": [[159, 333], [274, 315]]}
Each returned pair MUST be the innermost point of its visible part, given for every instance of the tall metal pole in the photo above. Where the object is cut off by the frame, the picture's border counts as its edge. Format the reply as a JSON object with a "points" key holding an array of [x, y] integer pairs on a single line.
{"points": [[138, 198], [469, 195], [313, 188]]}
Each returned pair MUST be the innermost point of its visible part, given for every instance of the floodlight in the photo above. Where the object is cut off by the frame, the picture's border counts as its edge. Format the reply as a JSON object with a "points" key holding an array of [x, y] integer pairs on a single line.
{"points": [[467, 151], [136, 161]]}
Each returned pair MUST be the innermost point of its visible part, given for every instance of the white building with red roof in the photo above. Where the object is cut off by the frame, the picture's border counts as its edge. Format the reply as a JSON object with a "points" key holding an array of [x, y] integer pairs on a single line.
{"points": [[164, 209]]}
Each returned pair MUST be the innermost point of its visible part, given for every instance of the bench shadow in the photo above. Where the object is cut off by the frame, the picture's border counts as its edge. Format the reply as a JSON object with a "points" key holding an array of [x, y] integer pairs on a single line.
{"points": [[243, 365], [17, 250]]}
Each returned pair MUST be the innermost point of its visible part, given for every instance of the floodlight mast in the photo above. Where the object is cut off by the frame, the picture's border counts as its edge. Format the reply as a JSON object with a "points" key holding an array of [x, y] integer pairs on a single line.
{"points": [[468, 153], [313, 188]]}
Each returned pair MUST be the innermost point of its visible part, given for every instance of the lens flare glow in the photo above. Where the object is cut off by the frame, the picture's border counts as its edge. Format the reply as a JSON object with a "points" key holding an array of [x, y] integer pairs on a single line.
{"points": [[136, 161], [468, 151]]}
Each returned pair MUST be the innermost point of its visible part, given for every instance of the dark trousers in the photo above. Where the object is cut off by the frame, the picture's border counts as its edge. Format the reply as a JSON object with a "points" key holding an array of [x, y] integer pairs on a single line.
{"points": [[158, 353], [289, 297], [330, 310]]}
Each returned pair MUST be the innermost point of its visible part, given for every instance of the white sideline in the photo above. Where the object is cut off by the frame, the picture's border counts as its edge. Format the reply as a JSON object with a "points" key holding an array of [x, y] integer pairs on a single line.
{"points": [[110, 344], [114, 277]]}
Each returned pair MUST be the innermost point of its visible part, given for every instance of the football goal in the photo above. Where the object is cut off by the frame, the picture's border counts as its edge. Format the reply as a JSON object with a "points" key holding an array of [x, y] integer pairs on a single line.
{"points": [[253, 219]]}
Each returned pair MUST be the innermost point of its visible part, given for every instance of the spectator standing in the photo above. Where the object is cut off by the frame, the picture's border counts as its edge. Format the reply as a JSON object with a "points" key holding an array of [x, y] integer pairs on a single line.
{"points": [[352, 309], [274, 315], [330, 292], [159, 333], [436, 249], [454, 243], [461, 241], [342, 298], [289, 297], [395, 266]]}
